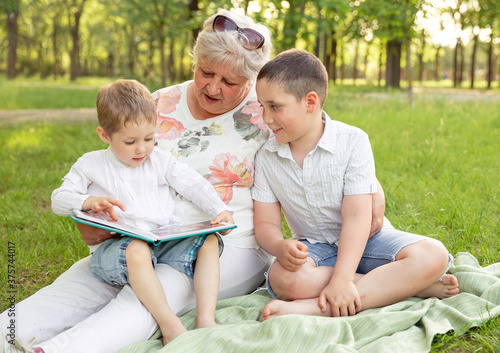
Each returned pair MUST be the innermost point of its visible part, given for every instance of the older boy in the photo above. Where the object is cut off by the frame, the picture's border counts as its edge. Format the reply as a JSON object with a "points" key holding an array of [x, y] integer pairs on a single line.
{"points": [[322, 174], [132, 180]]}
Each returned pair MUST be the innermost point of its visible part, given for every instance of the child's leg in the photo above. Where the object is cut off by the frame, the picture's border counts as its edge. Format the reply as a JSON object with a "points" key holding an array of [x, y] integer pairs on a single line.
{"points": [[206, 281], [149, 290], [415, 272]]}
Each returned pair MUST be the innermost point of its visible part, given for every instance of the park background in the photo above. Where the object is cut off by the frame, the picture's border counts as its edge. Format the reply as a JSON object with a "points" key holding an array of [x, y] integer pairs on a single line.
{"points": [[420, 77]]}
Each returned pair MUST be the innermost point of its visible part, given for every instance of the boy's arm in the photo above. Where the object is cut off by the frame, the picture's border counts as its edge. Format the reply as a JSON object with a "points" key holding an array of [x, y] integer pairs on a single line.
{"points": [[341, 292], [291, 254]]}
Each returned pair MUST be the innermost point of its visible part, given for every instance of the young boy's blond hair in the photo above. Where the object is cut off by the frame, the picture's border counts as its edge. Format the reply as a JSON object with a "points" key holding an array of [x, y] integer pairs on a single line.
{"points": [[298, 72], [123, 102]]}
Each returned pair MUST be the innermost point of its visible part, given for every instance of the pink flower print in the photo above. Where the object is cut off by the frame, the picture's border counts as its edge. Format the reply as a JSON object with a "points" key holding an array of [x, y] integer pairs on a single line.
{"points": [[168, 128], [255, 110], [168, 100], [229, 172]]}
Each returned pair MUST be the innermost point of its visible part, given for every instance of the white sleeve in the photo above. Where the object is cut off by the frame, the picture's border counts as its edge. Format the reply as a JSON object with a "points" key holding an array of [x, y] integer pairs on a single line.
{"points": [[73, 191], [193, 187]]}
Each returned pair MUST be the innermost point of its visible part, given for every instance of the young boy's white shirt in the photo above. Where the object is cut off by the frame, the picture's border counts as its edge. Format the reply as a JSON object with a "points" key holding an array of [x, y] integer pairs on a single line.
{"points": [[145, 191], [311, 198]]}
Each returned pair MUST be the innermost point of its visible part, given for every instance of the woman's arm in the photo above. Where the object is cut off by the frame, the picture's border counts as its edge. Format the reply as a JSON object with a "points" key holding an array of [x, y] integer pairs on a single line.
{"points": [[378, 210]]}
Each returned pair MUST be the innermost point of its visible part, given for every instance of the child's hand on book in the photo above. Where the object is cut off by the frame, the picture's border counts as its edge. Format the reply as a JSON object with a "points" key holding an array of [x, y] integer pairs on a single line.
{"points": [[224, 217], [104, 204]]}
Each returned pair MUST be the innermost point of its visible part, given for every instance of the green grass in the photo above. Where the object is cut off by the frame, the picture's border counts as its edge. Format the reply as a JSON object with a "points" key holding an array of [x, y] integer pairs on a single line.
{"points": [[437, 159], [25, 93]]}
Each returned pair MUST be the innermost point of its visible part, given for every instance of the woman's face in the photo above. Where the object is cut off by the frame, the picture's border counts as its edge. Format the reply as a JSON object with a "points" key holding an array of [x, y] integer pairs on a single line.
{"points": [[217, 90]]}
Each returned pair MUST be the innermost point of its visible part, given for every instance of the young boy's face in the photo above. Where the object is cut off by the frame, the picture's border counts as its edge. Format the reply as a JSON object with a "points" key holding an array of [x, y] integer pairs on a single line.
{"points": [[284, 115], [132, 144]]}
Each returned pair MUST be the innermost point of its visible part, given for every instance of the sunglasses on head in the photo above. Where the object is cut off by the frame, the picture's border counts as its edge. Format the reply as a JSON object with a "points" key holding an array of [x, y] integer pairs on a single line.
{"points": [[249, 38]]}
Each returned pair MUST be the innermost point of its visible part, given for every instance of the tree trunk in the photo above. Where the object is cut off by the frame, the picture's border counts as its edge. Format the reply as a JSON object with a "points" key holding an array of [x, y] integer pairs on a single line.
{"points": [[380, 64], [333, 53], [193, 9], [393, 64], [421, 63], [455, 63], [355, 63], [473, 62], [365, 68], [12, 28], [342, 65], [460, 65], [491, 71], [74, 28], [171, 63], [163, 65], [111, 64], [436, 64], [55, 46]]}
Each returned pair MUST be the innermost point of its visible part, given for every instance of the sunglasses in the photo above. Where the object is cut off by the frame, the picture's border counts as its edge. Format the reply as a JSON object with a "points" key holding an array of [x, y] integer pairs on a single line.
{"points": [[251, 40]]}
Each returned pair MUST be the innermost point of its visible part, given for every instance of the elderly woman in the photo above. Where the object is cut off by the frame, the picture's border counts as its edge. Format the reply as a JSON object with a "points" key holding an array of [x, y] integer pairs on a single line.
{"points": [[214, 124]]}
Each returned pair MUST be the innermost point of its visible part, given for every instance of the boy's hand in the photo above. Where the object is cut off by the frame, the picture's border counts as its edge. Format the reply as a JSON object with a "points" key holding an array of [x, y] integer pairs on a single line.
{"points": [[292, 254], [105, 204], [224, 217], [343, 297]]}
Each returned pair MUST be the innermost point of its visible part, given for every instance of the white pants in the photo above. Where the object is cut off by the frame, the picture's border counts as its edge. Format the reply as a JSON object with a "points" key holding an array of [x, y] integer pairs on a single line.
{"points": [[79, 313]]}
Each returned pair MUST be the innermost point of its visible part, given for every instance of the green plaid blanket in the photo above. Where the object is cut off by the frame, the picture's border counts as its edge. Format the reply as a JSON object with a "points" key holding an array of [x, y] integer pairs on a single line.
{"points": [[408, 326]]}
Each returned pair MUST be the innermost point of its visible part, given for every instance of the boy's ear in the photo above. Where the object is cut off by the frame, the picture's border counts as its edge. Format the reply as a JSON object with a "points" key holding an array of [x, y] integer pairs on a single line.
{"points": [[312, 101], [102, 134]]}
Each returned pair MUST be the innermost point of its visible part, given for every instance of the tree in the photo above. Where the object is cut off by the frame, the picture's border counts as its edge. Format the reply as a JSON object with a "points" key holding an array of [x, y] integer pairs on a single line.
{"points": [[11, 9], [75, 11]]}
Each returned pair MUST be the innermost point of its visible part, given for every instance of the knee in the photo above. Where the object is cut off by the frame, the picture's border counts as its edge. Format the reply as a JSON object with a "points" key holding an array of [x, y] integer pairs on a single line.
{"points": [[286, 285], [433, 256], [211, 242], [137, 252]]}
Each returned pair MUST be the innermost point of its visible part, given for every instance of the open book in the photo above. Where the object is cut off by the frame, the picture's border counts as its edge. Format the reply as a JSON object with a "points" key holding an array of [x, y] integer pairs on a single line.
{"points": [[156, 236]]}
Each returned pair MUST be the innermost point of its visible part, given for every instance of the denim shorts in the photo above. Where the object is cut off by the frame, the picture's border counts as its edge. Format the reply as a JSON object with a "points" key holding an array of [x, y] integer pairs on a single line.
{"points": [[380, 249], [108, 262]]}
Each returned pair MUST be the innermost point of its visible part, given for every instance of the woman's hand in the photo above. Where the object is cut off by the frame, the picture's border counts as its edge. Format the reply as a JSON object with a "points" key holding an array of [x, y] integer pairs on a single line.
{"points": [[224, 217], [292, 255]]}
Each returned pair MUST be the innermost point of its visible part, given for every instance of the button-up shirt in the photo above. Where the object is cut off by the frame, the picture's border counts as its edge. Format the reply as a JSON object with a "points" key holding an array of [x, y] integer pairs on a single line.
{"points": [[311, 197]]}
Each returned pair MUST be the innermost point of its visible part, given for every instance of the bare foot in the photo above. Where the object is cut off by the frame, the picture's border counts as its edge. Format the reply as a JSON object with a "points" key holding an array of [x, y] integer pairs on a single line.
{"points": [[300, 306], [447, 287], [172, 330]]}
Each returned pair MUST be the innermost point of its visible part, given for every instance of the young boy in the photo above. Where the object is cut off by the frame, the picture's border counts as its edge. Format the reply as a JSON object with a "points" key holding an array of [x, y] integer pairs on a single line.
{"points": [[322, 174], [132, 180]]}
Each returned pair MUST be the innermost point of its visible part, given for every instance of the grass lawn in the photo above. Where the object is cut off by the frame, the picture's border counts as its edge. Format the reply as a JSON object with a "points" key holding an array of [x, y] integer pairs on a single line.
{"points": [[437, 158]]}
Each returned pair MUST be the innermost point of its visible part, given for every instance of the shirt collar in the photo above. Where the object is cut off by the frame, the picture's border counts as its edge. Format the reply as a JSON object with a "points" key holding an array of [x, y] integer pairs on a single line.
{"points": [[112, 157], [325, 142]]}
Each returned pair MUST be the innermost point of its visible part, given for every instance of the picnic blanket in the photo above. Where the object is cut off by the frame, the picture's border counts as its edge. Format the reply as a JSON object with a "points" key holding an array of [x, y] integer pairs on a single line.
{"points": [[408, 326]]}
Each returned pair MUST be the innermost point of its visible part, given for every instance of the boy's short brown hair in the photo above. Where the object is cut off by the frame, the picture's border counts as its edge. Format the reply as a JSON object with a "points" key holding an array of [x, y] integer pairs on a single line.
{"points": [[123, 102], [298, 72]]}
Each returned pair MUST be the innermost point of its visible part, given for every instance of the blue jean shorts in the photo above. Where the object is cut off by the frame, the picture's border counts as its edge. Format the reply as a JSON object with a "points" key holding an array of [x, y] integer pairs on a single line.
{"points": [[380, 249], [108, 262]]}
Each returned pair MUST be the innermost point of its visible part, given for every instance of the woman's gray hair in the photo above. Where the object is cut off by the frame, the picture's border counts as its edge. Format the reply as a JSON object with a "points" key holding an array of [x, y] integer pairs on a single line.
{"points": [[224, 48]]}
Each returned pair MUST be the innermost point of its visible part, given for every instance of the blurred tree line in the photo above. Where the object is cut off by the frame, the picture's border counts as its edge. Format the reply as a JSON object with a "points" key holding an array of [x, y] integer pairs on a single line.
{"points": [[150, 40]]}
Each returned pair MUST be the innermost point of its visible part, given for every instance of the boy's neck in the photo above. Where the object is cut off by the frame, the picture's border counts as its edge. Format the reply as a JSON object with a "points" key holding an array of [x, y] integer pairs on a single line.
{"points": [[301, 148]]}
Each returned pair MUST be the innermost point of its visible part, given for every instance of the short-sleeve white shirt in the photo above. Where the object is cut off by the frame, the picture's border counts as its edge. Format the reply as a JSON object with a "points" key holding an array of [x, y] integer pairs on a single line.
{"points": [[311, 197]]}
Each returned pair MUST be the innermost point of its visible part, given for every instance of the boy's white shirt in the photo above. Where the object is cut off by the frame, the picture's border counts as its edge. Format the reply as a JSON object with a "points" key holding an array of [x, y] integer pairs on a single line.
{"points": [[145, 191], [341, 164]]}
